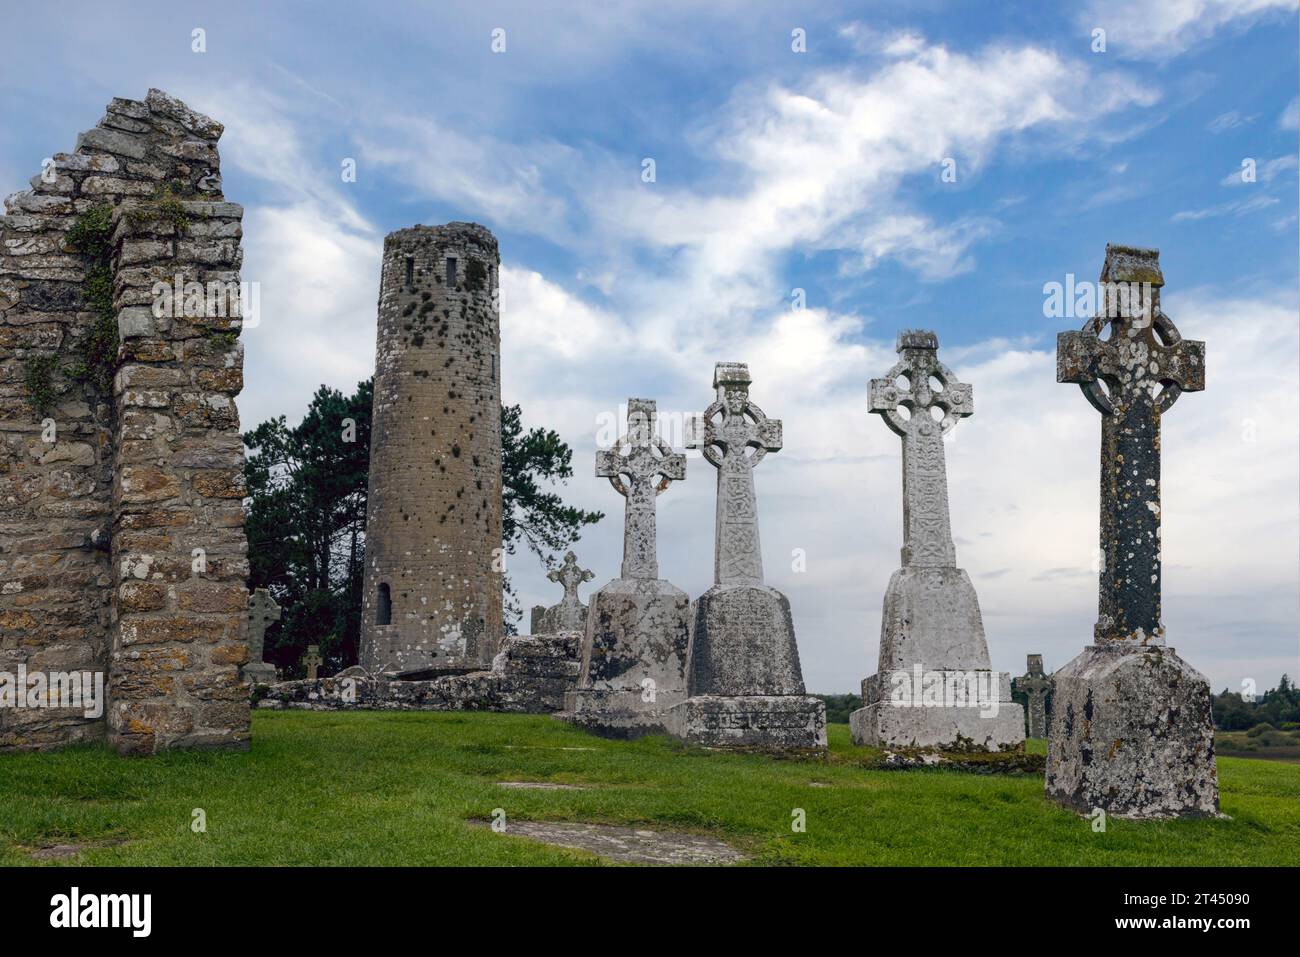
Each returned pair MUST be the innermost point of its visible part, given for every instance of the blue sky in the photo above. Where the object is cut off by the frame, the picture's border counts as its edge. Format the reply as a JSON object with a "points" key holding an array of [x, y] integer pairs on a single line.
{"points": [[778, 170]]}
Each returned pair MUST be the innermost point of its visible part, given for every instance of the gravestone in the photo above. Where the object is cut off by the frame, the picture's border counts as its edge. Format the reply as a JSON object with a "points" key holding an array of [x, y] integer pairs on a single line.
{"points": [[634, 650], [570, 614], [934, 687], [745, 684], [312, 661], [1035, 686], [262, 612], [1131, 730]]}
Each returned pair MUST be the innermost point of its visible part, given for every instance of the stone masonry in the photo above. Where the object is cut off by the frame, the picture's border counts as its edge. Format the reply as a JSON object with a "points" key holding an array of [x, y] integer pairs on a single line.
{"points": [[122, 545], [431, 600]]}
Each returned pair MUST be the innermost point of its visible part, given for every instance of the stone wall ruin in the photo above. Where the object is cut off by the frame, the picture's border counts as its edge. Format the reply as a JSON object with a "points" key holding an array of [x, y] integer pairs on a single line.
{"points": [[122, 548]]}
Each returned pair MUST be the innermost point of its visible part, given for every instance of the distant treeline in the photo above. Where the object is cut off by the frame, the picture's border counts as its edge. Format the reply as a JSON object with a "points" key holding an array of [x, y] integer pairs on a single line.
{"points": [[1279, 707]]}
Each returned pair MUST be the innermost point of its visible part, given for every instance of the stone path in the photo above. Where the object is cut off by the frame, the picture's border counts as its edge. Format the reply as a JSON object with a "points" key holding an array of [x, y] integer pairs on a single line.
{"points": [[627, 845], [540, 786]]}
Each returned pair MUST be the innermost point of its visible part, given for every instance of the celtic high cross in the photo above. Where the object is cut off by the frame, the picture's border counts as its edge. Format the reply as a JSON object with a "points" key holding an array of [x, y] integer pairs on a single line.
{"points": [[639, 475], [920, 399], [734, 435], [1131, 377], [1035, 685]]}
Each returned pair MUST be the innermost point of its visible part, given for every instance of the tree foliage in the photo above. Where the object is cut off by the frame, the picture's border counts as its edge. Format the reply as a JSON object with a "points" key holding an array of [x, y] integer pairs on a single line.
{"points": [[1277, 707], [530, 514], [306, 524], [306, 517]]}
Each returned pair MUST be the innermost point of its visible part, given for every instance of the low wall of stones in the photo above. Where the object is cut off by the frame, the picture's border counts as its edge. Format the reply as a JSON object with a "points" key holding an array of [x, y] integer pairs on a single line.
{"points": [[122, 549], [530, 675]]}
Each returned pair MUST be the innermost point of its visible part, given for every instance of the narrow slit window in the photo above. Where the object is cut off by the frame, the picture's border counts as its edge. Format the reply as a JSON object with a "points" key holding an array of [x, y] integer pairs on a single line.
{"points": [[410, 270], [451, 272], [384, 614]]}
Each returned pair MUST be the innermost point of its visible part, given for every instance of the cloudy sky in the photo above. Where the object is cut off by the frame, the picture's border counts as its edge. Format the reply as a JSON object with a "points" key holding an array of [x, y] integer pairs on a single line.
{"points": [[775, 171]]}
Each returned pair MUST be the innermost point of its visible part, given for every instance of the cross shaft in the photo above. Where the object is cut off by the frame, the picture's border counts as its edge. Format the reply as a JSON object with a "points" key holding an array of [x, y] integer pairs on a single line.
{"points": [[930, 385], [734, 434], [1131, 378]]}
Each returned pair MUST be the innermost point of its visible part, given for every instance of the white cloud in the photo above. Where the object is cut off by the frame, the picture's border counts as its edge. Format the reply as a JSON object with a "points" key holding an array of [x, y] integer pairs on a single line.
{"points": [[319, 284], [314, 255], [692, 273], [1228, 121], [1265, 172], [1023, 477], [1240, 207], [1161, 29], [1290, 118]]}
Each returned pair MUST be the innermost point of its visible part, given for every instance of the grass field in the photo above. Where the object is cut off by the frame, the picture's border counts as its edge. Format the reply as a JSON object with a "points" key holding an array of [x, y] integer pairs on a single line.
{"points": [[398, 788]]}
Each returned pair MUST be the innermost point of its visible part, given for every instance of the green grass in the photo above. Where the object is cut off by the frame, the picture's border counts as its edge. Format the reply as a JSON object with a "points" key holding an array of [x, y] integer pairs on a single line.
{"points": [[397, 788]]}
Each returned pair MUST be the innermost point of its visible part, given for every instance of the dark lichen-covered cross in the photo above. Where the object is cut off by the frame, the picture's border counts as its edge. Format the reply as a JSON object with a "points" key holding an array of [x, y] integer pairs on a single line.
{"points": [[1131, 377]]}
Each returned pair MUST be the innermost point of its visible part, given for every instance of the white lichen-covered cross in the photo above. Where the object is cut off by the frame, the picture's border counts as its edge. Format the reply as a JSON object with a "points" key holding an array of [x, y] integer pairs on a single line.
{"points": [[907, 399], [734, 435], [640, 474], [262, 612]]}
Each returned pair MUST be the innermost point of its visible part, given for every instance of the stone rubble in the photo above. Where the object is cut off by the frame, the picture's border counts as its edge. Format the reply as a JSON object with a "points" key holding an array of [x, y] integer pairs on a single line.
{"points": [[530, 675]]}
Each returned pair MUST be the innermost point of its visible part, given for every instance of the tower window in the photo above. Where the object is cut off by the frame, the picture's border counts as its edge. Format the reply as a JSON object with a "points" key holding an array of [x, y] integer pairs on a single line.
{"points": [[384, 614], [451, 271], [410, 270]]}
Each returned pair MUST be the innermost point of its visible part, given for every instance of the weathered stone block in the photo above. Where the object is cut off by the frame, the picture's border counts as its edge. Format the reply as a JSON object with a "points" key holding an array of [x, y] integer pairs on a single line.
{"points": [[634, 658], [1131, 733], [743, 643], [786, 722]]}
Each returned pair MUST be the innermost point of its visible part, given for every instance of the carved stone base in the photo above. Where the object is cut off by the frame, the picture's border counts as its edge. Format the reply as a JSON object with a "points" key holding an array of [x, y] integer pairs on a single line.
{"points": [[931, 616], [1131, 733], [940, 710], [742, 643], [751, 722], [633, 658]]}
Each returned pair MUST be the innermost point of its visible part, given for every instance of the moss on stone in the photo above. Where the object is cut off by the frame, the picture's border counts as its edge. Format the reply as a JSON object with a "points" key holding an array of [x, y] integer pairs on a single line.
{"points": [[38, 377]]}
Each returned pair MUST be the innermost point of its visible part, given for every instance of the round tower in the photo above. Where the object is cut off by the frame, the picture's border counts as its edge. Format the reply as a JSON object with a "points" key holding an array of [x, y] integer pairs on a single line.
{"points": [[431, 599]]}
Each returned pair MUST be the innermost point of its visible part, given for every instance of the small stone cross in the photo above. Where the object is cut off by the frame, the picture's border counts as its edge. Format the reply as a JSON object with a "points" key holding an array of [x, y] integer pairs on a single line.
{"points": [[734, 434], [639, 475], [312, 661], [917, 387], [1131, 377], [1035, 685], [262, 611], [570, 576]]}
